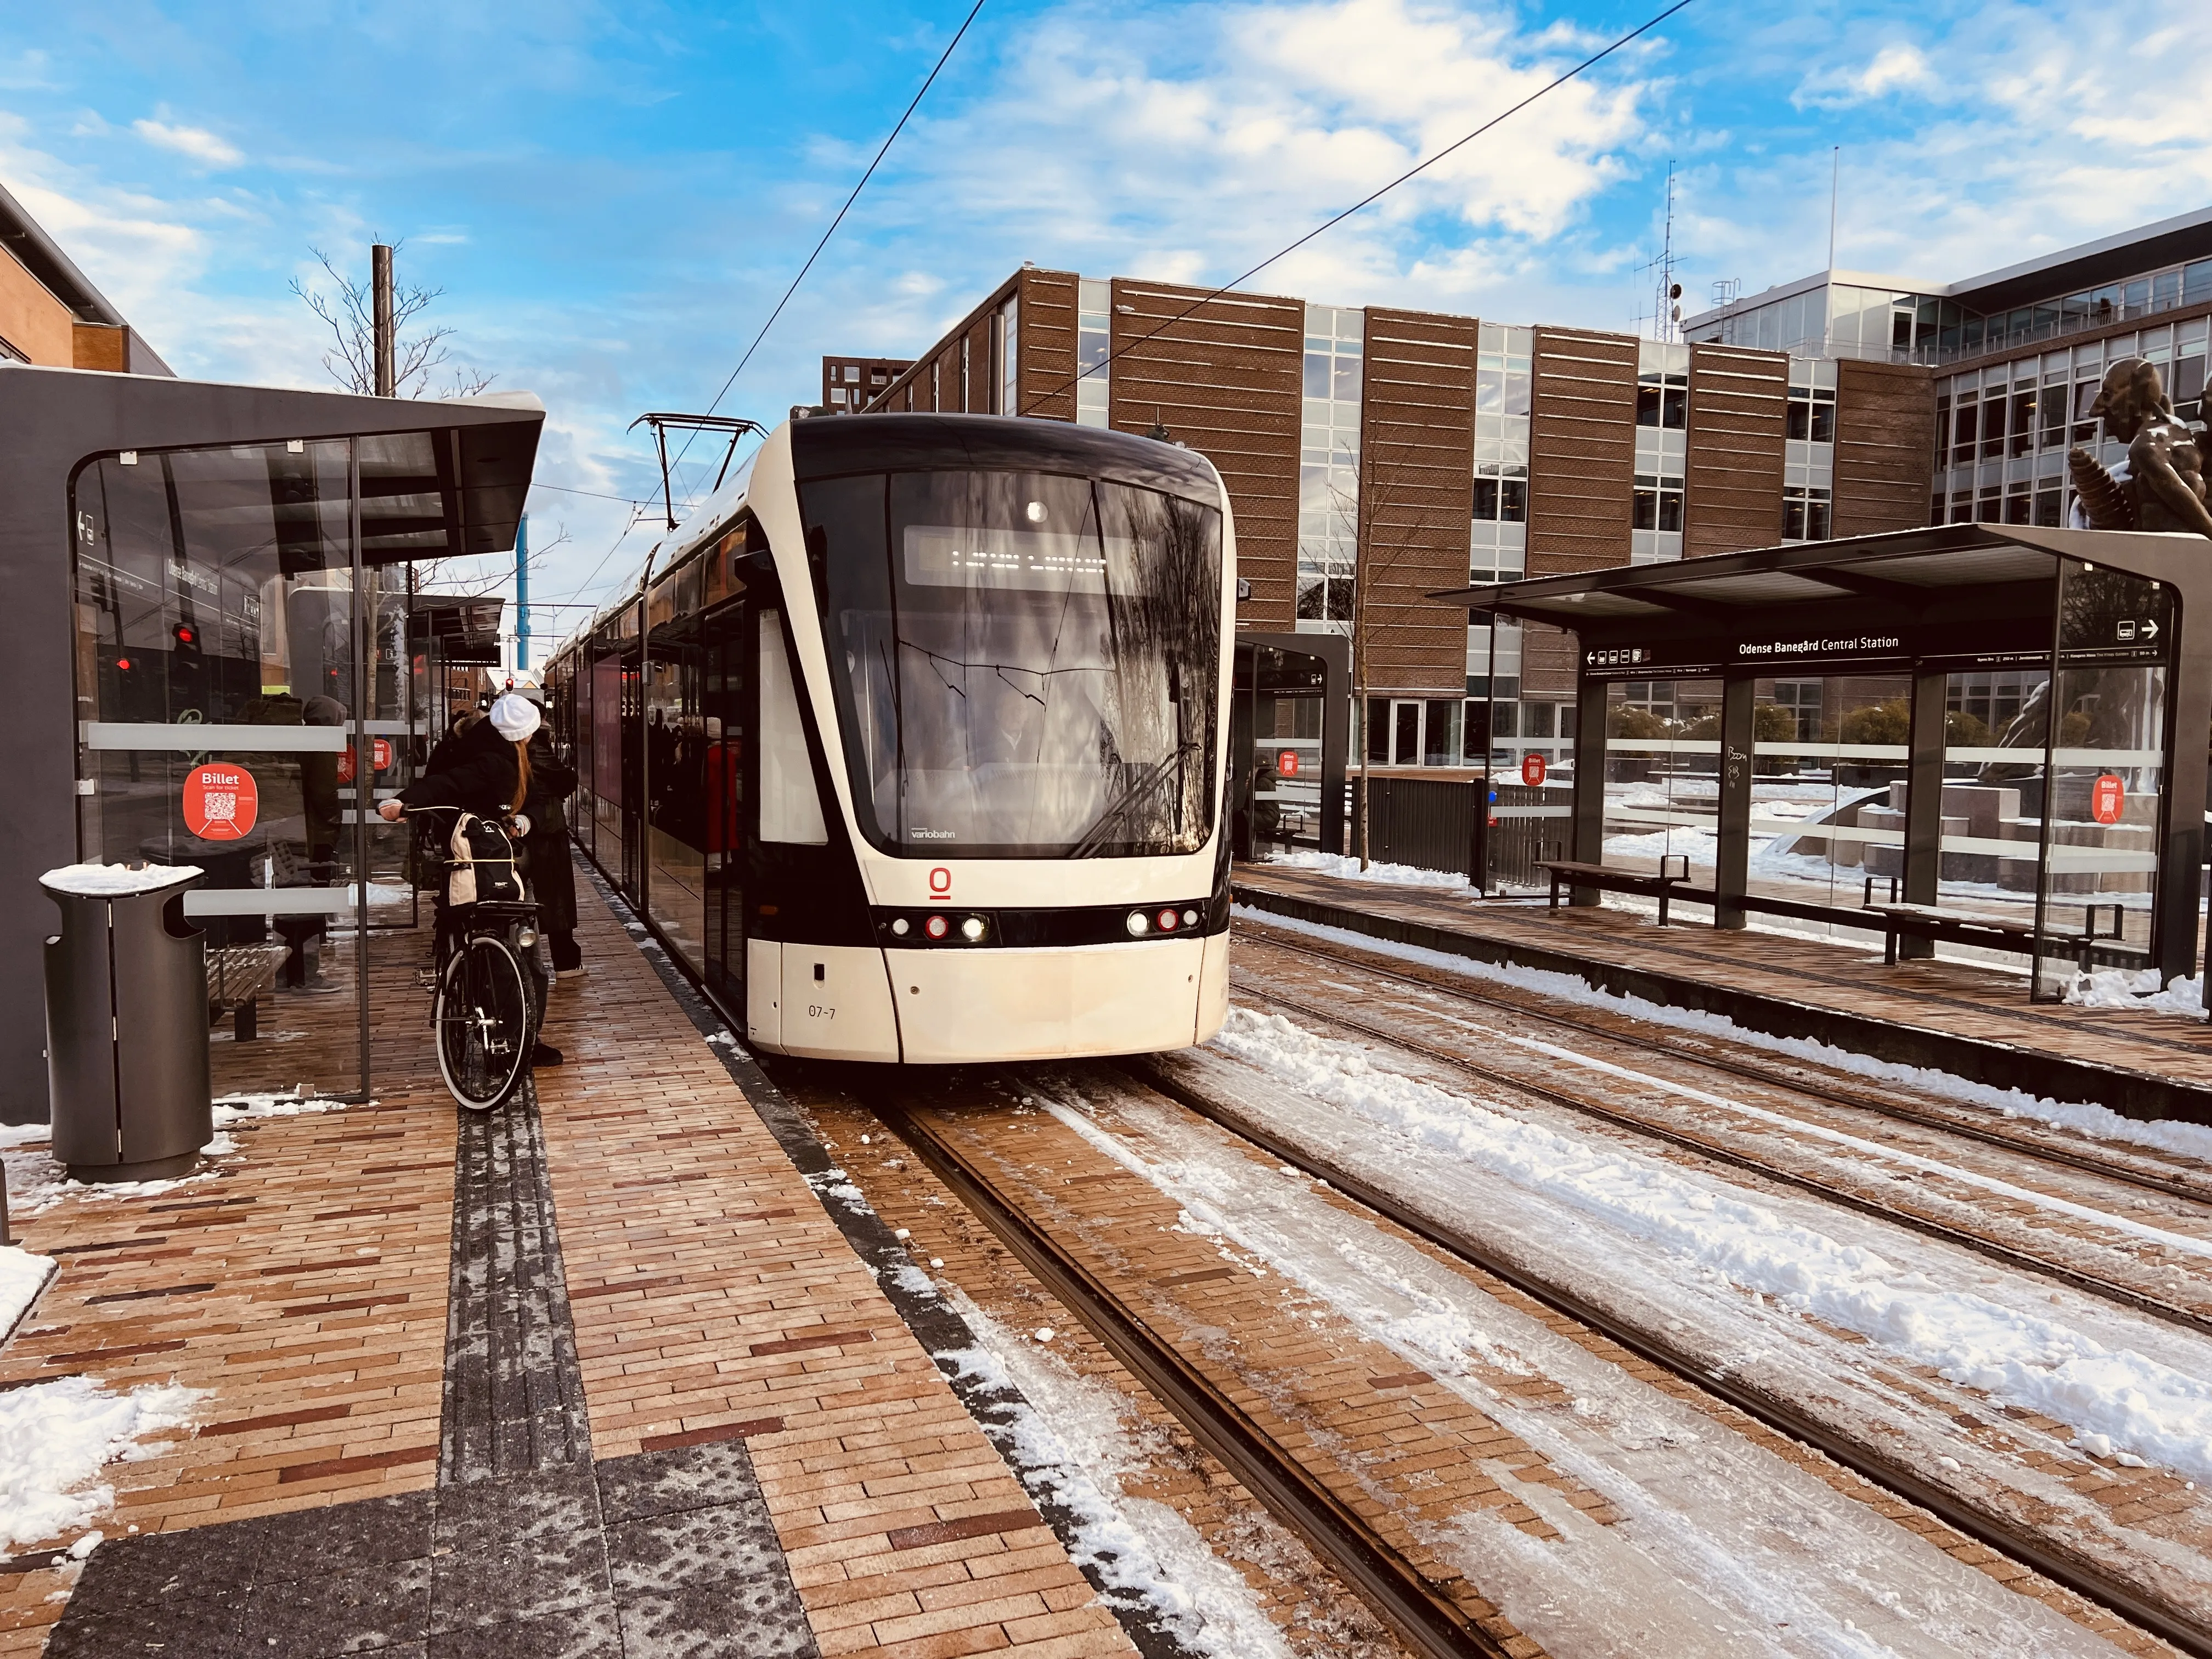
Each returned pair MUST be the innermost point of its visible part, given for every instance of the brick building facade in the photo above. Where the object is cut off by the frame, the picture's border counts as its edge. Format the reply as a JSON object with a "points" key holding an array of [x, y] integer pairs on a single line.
{"points": [[1403, 450]]}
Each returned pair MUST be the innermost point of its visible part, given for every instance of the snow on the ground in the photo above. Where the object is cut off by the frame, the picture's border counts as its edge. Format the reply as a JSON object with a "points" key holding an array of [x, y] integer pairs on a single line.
{"points": [[2131, 987], [118, 880], [55, 1439], [1076, 1443], [37, 1180], [22, 1276], [2098, 1122], [1718, 1536], [2041, 1363], [1339, 864]]}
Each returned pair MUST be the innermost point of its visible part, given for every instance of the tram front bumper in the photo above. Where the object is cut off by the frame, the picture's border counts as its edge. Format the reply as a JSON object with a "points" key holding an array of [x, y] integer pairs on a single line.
{"points": [[967, 1006]]}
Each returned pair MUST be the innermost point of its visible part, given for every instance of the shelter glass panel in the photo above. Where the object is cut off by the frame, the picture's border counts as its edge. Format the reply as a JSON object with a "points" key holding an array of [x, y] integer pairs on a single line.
{"points": [[234, 719], [1663, 752], [1827, 794], [1285, 690]]}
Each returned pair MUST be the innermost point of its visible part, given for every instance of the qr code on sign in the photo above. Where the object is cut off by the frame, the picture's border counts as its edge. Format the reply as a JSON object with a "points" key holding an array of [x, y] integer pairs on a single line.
{"points": [[223, 809]]}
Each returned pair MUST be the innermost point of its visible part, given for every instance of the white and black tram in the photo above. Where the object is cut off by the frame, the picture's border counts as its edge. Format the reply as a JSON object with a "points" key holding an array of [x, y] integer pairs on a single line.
{"points": [[908, 747]]}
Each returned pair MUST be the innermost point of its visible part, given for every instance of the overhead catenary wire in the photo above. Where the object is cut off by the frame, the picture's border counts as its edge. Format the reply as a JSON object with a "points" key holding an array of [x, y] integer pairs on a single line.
{"points": [[913, 104], [1284, 252]]}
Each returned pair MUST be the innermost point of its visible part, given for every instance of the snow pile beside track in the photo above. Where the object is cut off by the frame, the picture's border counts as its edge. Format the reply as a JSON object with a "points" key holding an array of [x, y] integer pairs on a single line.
{"points": [[1395, 875], [2138, 1404], [56, 1436], [1071, 1435], [2098, 1122]]}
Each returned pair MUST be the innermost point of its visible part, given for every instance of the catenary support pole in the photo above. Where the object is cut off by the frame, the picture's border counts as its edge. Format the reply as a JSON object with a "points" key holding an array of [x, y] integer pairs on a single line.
{"points": [[522, 594], [381, 323]]}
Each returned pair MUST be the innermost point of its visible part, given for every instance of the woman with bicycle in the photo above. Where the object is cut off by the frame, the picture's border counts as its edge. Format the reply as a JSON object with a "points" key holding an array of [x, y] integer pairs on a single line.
{"points": [[483, 770]]}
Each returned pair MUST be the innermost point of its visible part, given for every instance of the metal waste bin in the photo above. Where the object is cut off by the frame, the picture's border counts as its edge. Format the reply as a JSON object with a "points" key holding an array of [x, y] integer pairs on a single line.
{"points": [[127, 1023]]}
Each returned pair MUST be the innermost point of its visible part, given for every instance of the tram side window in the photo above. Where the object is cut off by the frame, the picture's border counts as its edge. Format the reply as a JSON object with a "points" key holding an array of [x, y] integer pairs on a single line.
{"points": [[791, 810]]}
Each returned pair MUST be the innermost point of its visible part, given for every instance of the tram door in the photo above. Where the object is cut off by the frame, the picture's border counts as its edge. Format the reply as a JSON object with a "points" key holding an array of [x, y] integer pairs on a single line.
{"points": [[724, 680], [632, 794]]}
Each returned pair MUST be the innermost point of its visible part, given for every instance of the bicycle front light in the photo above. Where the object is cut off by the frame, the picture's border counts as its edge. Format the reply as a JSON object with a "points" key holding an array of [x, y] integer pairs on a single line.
{"points": [[527, 939]]}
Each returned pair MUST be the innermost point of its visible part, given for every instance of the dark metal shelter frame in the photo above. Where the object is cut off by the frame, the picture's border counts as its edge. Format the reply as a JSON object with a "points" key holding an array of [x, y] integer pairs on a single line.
{"points": [[54, 423], [1927, 602]]}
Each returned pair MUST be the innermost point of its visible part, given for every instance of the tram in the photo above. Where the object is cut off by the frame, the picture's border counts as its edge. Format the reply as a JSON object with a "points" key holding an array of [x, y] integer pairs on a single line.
{"points": [[908, 747]]}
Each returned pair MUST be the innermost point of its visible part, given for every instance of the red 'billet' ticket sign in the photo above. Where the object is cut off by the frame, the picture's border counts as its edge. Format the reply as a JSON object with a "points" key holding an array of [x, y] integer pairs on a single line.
{"points": [[221, 802], [2108, 796]]}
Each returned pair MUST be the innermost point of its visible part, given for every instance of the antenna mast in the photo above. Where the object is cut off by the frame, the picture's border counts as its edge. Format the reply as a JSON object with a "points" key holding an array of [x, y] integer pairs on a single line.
{"points": [[1666, 313]]}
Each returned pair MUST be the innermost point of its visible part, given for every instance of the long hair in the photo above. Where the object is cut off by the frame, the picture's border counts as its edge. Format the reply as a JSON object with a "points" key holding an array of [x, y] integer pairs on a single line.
{"points": [[521, 776]]}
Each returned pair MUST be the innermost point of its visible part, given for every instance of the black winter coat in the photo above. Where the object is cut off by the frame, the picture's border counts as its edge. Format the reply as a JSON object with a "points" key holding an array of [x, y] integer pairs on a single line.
{"points": [[475, 771], [545, 856]]}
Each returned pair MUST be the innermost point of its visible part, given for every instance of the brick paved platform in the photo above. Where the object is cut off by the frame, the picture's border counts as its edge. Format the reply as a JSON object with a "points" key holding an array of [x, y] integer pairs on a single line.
{"points": [[389, 1320], [1975, 1022]]}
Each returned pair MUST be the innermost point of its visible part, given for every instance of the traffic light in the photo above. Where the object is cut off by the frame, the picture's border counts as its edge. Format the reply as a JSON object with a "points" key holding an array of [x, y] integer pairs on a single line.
{"points": [[185, 638]]}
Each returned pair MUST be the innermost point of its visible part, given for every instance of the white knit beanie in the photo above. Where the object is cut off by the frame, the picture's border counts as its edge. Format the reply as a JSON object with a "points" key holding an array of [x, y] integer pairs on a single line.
{"points": [[514, 718]]}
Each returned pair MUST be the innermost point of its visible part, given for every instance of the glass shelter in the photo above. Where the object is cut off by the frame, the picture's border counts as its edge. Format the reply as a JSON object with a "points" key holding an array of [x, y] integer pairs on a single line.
{"points": [[1970, 732], [226, 664]]}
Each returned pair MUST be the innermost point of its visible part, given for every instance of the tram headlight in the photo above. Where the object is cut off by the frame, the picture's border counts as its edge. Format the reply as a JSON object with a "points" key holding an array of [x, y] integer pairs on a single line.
{"points": [[972, 929], [1140, 924], [936, 926], [1190, 918], [899, 926], [1167, 920]]}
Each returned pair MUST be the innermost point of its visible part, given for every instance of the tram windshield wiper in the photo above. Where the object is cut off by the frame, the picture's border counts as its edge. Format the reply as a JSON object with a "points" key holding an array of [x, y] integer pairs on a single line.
{"points": [[1117, 810]]}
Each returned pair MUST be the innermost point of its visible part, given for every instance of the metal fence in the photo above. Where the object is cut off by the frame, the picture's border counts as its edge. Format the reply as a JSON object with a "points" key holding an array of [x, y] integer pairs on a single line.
{"points": [[1431, 823]]}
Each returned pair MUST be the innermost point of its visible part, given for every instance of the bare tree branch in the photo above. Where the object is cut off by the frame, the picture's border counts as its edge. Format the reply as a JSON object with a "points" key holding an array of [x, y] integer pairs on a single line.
{"points": [[349, 313]]}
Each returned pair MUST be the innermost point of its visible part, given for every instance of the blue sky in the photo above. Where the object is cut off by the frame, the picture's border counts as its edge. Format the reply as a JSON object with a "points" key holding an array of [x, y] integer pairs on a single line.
{"points": [[613, 196]]}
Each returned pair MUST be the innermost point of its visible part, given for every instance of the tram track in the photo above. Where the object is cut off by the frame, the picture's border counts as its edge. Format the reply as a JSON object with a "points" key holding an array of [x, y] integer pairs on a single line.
{"points": [[2184, 1629], [2128, 1168], [1710, 1148], [1420, 1612]]}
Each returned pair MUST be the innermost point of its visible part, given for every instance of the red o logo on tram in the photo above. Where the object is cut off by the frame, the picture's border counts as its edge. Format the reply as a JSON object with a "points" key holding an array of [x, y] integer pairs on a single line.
{"points": [[221, 803], [2108, 796]]}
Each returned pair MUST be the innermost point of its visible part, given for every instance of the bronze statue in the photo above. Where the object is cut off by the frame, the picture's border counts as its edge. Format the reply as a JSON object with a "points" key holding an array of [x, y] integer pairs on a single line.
{"points": [[2165, 486]]}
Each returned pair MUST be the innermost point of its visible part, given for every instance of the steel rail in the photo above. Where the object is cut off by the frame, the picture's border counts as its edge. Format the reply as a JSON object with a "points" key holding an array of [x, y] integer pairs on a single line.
{"points": [[1405, 1598], [2171, 1186], [2088, 1282], [2061, 1566]]}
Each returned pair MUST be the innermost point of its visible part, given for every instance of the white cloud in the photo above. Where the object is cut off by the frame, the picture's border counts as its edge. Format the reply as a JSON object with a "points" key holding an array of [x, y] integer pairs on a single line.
{"points": [[198, 142], [1188, 144], [1898, 67]]}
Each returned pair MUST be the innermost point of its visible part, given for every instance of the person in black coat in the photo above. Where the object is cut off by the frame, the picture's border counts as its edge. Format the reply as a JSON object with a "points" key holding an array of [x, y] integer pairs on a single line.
{"points": [[546, 854], [486, 771]]}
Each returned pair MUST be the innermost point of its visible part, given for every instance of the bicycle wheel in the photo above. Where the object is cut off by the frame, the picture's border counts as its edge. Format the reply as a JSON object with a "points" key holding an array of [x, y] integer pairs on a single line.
{"points": [[483, 1018]]}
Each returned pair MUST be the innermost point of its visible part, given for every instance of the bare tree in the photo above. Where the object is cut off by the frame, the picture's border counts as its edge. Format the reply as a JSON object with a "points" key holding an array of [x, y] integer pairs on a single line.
{"points": [[349, 313]]}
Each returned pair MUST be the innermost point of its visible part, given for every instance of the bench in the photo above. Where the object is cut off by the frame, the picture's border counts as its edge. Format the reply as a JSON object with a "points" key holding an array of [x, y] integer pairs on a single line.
{"points": [[1604, 876], [237, 974], [1991, 932]]}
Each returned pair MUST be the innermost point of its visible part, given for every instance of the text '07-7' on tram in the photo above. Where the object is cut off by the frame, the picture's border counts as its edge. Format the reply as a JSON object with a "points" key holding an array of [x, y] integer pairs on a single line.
{"points": [[908, 746]]}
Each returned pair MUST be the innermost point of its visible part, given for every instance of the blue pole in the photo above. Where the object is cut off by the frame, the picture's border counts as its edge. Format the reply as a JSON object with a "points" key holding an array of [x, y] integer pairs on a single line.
{"points": [[522, 592]]}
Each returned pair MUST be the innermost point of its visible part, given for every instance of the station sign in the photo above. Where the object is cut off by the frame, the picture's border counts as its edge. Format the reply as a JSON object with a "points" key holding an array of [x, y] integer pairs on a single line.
{"points": [[221, 802]]}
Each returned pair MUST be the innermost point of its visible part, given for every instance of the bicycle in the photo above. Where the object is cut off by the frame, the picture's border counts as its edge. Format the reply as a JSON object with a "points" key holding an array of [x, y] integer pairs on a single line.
{"points": [[488, 995]]}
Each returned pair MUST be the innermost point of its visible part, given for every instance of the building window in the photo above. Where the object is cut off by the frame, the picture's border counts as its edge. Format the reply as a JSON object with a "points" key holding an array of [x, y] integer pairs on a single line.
{"points": [[1094, 349], [1663, 419], [1498, 543], [1658, 503], [1010, 380], [964, 371], [1328, 468], [1811, 411], [1804, 514]]}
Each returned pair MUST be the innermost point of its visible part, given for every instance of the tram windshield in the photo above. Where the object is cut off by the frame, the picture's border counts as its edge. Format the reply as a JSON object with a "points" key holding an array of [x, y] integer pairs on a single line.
{"points": [[1030, 663]]}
